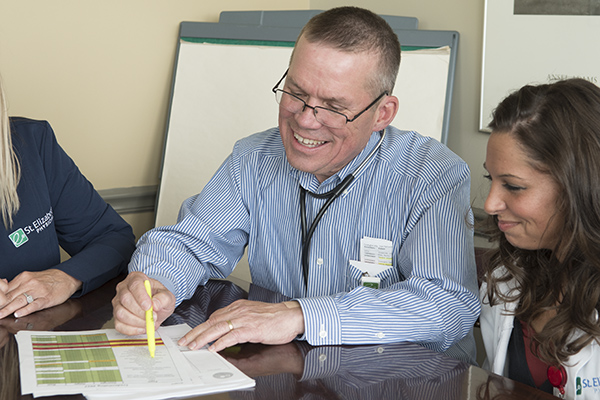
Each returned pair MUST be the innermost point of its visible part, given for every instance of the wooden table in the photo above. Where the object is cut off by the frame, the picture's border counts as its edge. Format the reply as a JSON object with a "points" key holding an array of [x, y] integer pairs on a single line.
{"points": [[292, 371]]}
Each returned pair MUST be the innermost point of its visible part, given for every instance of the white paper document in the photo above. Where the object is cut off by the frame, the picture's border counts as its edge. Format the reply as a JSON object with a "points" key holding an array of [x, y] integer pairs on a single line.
{"points": [[376, 251], [105, 364]]}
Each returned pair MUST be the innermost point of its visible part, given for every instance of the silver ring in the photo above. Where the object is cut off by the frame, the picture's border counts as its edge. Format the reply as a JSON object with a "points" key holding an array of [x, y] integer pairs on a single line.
{"points": [[230, 325], [29, 298]]}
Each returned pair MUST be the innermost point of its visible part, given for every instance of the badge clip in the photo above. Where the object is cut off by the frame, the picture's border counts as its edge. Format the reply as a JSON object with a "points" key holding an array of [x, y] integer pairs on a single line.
{"points": [[370, 281]]}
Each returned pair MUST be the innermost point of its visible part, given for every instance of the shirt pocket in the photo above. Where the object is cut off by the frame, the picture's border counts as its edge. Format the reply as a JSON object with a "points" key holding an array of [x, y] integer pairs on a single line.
{"points": [[388, 277]]}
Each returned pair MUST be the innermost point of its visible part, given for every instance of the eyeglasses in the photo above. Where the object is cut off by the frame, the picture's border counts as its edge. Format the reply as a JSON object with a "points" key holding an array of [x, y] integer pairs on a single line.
{"points": [[324, 116]]}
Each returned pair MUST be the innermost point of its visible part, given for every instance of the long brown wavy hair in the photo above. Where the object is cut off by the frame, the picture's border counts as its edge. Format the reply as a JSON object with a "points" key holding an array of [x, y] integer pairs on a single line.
{"points": [[558, 127]]}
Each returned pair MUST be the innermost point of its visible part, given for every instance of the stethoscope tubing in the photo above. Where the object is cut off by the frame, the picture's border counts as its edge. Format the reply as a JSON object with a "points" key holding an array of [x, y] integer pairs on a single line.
{"points": [[330, 196]]}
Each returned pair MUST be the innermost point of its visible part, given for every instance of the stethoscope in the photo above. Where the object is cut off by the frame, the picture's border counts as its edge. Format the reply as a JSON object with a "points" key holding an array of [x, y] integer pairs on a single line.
{"points": [[330, 196]]}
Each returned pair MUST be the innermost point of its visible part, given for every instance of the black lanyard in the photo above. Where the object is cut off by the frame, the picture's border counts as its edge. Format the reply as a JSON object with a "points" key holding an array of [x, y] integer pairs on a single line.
{"points": [[330, 196], [306, 236]]}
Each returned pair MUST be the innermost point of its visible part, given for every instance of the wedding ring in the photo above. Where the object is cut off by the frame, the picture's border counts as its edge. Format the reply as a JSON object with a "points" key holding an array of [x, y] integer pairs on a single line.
{"points": [[230, 325], [29, 298]]}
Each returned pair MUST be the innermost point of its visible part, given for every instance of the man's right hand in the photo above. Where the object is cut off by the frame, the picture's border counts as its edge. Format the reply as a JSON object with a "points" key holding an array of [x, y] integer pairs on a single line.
{"points": [[132, 301]]}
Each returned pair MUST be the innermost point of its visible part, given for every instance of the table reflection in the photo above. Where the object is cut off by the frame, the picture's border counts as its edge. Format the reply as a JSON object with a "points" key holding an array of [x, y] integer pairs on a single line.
{"points": [[295, 370], [299, 370], [217, 294], [390, 371]]}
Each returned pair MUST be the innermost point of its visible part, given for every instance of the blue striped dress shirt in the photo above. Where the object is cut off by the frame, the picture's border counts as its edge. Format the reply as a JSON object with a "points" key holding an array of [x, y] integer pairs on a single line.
{"points": [[414, 192]]}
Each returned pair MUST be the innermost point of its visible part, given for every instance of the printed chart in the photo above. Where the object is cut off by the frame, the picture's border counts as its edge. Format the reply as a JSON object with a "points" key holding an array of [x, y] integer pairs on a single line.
{"points": [[107, 364], [76, 359]]}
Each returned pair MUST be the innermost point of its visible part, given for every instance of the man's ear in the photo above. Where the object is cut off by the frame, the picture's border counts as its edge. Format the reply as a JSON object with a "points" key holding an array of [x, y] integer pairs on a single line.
{"points": [[386, 111]]}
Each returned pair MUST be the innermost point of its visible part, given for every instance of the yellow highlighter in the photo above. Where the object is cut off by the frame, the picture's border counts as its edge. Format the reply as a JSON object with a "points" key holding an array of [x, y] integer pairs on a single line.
{"points": [[150, 322]]}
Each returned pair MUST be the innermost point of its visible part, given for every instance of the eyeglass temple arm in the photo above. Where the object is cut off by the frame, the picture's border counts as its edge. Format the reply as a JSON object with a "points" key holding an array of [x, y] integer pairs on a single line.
{"points": [[279, 82], [369, 106]]}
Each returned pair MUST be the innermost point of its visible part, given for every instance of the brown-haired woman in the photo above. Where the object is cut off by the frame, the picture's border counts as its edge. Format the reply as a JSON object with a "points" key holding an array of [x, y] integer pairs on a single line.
{"points": [[541, 292]]}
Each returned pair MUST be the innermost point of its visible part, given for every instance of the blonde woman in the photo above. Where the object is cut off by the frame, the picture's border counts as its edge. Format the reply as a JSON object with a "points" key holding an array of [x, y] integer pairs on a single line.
{"points": [[46, 203]]}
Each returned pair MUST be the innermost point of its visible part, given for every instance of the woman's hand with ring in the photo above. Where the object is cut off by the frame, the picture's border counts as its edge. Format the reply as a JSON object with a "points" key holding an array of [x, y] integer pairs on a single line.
{"points": [[34, 291]]}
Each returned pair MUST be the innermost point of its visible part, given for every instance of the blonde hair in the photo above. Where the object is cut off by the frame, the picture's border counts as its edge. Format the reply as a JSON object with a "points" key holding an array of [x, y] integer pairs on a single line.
{"points": [[10, 172]]}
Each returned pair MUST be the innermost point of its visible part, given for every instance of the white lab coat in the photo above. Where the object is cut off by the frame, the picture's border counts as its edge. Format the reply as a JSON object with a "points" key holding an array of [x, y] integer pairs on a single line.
{"points": [[583, 368]]}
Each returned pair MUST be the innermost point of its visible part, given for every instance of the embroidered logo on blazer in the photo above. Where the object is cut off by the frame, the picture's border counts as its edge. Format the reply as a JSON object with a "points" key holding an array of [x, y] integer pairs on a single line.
{"points": [[18, 237]]}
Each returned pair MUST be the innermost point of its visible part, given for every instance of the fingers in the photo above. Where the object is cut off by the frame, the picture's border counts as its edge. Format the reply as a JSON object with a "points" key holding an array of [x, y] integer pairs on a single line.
{"points": [[4, 300], [132, 301], [20, 306], [130, 304], [163, 302], [232, 338], [33, 291], [216, 326], [221, 331], [247, 321]]}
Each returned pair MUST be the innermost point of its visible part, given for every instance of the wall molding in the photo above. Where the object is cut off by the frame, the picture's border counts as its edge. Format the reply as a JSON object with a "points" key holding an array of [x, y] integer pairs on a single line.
{"points": [[130, 200]]}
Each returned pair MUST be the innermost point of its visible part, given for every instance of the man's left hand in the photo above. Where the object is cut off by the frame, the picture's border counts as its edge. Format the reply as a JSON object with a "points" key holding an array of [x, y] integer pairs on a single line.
{"points": [[248, 321]]}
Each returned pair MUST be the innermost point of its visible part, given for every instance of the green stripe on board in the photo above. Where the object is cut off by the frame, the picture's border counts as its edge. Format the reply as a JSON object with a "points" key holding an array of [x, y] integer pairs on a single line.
{"points": [[413, 48], [239, 42], [267, 43]]}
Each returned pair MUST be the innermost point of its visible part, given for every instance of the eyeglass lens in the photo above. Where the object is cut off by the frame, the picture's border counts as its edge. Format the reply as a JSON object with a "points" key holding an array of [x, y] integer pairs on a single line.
{"points": [[296, 105]]}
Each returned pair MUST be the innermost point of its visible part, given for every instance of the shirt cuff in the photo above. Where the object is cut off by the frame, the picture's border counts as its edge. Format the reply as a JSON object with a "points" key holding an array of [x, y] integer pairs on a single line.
{"points": [[321, 321], [167, 284]]}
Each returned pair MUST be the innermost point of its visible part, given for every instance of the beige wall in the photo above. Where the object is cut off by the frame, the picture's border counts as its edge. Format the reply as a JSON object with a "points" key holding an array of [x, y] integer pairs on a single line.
{"points": [[466, 17], [100, 72]]}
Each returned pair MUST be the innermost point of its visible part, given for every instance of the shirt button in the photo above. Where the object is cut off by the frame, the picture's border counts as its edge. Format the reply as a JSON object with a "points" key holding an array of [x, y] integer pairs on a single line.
{"points": [[322, 357], [380, 335], [380, 350], [323, 334], [319, 261]]}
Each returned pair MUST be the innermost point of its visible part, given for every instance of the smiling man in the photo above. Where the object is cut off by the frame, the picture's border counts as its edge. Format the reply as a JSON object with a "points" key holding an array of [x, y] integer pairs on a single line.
{"points": [[367, 228]]}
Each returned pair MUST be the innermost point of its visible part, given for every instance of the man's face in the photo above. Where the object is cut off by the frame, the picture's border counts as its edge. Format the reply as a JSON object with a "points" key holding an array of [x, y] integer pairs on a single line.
{"points": [[326, 77]]}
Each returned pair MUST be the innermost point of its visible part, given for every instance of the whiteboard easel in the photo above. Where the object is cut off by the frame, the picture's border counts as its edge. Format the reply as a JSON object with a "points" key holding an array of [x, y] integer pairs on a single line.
{"points": [[222, 92]]}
